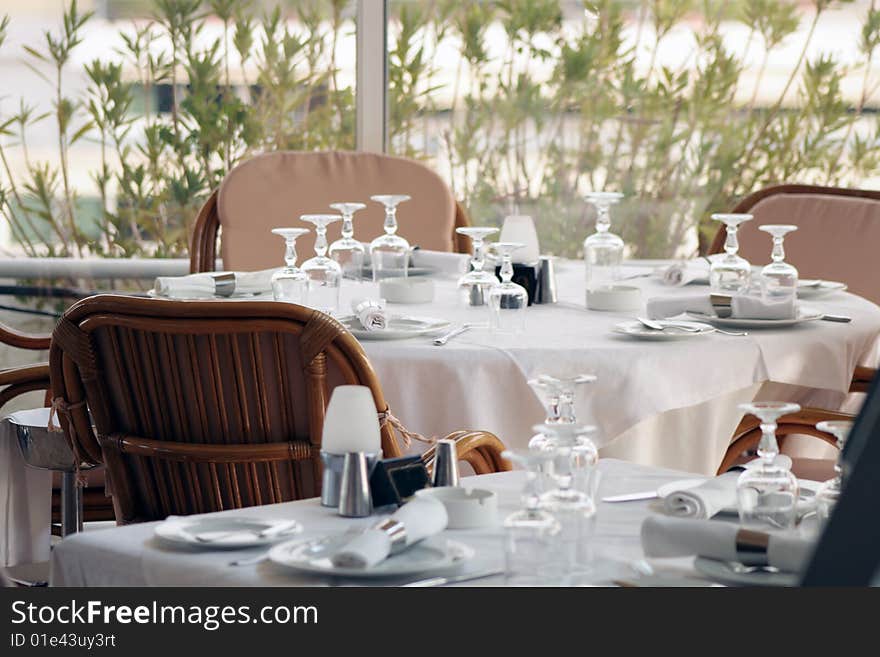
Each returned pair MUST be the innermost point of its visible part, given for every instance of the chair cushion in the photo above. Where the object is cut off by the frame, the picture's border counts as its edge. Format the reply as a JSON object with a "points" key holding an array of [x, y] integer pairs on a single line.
{"points": [[274, 189], [814, 469]]}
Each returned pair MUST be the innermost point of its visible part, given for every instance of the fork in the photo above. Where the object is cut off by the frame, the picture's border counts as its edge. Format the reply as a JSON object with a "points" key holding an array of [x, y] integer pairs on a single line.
{"points": [[657, 326]]}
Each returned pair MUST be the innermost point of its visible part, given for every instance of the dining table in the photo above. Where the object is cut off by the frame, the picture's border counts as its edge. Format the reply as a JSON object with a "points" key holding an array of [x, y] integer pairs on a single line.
{"points": [[133, 555], [665, 403]]}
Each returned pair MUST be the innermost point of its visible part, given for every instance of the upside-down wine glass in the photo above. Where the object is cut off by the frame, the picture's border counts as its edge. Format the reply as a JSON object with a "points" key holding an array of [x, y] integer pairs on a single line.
{"points": [[829, 492], [557, 394], [767, 493], [474, 286], [779, 279], [324, 274], [603, 250], [289, 283], [730, 273], [508, 300], [389, 253], [347, 251]]}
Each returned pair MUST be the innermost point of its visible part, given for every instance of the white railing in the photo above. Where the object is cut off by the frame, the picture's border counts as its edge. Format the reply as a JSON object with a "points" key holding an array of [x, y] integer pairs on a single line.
{"points": [[101, 268]]}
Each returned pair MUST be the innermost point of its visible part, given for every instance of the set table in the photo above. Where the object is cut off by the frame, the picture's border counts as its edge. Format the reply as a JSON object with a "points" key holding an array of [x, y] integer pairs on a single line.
{"points": [[133, 556]]}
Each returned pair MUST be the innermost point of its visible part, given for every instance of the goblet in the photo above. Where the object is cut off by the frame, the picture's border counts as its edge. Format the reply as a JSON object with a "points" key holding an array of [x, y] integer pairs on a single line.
{"points": [[603, 250], [347, 251], [507, 301], [389, 253], [779, 280], [530, 533], [475, 285], [730, 273], [324, 274], [829, 492], [557, 394], [767, 493], [572, 448], [289, 283]]}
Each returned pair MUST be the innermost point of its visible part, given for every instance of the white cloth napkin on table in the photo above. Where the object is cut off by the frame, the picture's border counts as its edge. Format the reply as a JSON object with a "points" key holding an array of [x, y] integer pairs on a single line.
{"points": [[246, 282], [705, 500], [678, 537], [742, 306], [423, 517], [370, 313], [683, 272], [446, 262]]}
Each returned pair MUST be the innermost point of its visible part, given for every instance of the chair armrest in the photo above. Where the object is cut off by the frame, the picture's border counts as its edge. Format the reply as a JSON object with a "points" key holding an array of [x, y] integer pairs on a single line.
{"points": [[21, 340], [19, 380], [480, 449]]}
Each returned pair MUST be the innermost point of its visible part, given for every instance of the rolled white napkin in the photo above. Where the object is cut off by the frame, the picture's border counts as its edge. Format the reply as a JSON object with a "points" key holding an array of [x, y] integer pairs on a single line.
{"points": [[448, 263], [678, 537], [246, 282], [742, 306], [683, 272], [421, 518], [705, 500], [370, 313]]}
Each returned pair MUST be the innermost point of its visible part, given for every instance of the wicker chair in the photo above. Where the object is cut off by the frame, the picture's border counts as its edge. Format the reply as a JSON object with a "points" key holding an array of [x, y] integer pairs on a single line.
{"points": [[839, 230], [204, 406], [273, 189]]}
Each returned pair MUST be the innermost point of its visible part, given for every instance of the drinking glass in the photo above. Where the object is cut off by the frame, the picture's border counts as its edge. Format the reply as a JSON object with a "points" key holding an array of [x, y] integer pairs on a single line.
{"points": [[530, 534], [829, 492], [730, 273], [324, 274], [347, 251], [557, 394], [767, 493], [289, 283], [389, 253], [507, 301], [603, 250], [475, 285], [779, 280]]}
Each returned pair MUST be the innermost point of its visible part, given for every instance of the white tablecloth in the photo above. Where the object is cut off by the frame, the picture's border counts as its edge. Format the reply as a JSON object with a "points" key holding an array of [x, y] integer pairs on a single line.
{"points": [[662, 403], [132, 556]]}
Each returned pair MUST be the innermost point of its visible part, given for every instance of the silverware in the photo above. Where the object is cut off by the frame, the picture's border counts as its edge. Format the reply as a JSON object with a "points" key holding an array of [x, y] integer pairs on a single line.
{"points": [[843, 319], [657, 326], [443, 339], [443, 581], [632, 497], [275, 530]]}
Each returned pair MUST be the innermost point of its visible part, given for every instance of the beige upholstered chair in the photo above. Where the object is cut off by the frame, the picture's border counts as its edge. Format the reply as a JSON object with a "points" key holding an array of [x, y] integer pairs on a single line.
{"points": [[274, 189], [837, 239]]}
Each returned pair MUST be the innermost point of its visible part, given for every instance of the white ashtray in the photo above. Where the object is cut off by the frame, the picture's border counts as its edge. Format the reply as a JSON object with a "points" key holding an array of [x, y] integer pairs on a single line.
{"points": [[619, 298], [407, 290], [466, 508]]}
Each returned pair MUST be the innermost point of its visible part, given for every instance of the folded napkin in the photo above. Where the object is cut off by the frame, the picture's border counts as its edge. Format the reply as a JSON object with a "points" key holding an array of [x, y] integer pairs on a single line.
{"points": [[677, 537], [683, 272], [244, 282], [448, 263], [742, 306], [370, 313], [421, 518], [705, 500]]}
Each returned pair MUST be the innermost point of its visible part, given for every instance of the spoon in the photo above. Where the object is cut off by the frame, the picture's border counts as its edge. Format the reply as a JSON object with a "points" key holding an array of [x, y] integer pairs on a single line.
{"points": [[657, 326], [443, 339]]}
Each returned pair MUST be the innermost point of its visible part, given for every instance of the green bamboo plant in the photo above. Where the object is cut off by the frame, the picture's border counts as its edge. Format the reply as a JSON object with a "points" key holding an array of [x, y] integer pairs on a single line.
{"points": [[557, 109]]}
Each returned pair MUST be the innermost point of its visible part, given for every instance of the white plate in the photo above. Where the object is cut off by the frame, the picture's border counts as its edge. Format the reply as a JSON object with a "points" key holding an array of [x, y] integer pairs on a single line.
{"points": [[722, 571], [636, 329], [398, 328], [431, 556], [814, 289], [805, 315], [224, 533]]}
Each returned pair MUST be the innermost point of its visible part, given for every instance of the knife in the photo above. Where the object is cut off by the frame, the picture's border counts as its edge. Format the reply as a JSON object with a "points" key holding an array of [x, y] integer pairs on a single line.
{"points": [[632, 497], [443, 581]]}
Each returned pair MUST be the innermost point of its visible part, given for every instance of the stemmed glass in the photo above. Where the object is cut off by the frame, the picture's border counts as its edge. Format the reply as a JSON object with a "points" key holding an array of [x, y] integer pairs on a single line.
{"points": [[779, 280], [475, 285], [557, 395], [324, 274], [389, 253], [507, 301], [530, 533], [603, 250], [289, 283], [347, 251], [829, 492], [730, 272], [571, 446], [767, 493]]}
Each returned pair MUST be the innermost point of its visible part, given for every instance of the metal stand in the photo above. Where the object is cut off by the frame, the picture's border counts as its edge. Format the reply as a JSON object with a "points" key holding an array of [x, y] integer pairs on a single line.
{"points": [[71, 505]]}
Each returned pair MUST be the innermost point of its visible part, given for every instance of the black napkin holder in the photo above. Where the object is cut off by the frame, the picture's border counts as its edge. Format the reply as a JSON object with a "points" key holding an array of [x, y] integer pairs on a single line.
{"points": [[395, 480], [525, 275]]}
